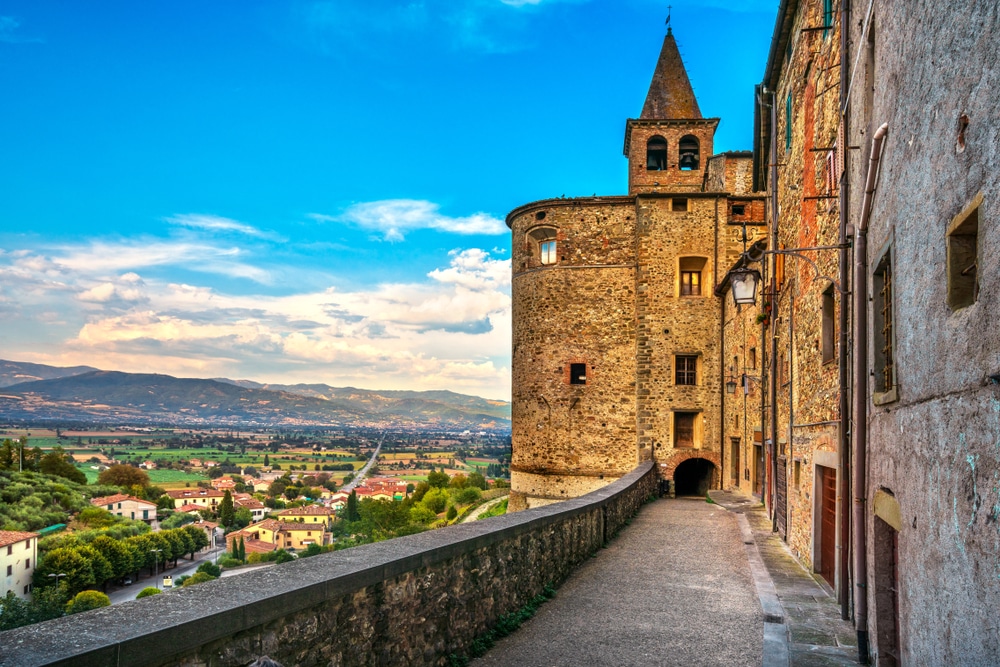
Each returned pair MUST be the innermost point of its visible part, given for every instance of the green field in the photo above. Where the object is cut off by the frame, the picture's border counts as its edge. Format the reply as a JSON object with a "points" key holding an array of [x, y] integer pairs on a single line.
{"points": [[157, 477]]}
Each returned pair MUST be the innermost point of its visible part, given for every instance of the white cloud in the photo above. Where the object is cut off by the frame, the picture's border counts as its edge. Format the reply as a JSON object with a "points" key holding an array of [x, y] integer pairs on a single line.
{"points": [[8, 32], [216, 224], [450, 329], [394, 217]]}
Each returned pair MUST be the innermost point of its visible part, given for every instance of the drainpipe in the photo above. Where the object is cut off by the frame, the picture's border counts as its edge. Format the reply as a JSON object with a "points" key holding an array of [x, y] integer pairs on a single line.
{"points": [[772, 392], [861, 399], [844, 432], [722, 354]]}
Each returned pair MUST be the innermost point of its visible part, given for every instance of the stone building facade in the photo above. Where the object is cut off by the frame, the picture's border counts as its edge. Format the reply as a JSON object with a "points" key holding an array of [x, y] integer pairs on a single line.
{"points": [[932, 386], [617, 355]]}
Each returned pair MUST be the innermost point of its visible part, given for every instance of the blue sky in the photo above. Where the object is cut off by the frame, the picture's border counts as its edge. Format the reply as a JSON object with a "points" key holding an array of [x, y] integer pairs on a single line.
{"points": [[314, 191]]}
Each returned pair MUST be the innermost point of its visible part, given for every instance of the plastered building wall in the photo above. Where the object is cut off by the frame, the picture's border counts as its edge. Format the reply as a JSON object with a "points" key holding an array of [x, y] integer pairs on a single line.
{"points": [[934, 440]]}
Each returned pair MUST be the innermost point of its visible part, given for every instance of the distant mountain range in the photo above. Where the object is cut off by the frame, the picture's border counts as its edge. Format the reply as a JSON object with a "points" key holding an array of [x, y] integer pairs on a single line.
{"points": [[38, 393]]}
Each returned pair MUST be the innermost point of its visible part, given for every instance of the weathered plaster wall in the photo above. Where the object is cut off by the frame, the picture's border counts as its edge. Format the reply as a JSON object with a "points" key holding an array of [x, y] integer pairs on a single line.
{"points": [[936, 448], [409, 601]]}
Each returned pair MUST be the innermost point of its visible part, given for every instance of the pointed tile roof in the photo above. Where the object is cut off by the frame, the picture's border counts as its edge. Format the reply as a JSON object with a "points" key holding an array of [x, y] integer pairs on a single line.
{"points": [[670, 94]]}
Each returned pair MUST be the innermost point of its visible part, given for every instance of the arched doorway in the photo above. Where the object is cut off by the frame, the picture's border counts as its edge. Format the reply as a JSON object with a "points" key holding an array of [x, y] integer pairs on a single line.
{"points": [[693, 477]]}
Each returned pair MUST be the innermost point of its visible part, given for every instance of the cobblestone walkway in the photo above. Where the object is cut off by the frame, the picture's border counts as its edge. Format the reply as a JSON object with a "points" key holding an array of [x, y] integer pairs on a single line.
{"points": [[674, 588], [816, 634]]}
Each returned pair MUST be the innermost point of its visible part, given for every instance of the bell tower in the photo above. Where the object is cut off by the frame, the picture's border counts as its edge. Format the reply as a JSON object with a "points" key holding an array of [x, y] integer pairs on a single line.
{"points": [[668, 146]]}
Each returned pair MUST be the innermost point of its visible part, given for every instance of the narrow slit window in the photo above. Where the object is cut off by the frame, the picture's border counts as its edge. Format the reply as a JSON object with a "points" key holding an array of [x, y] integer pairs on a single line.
{"points": [[578, 373], [963, 261], [882, 326], [828, 348]]}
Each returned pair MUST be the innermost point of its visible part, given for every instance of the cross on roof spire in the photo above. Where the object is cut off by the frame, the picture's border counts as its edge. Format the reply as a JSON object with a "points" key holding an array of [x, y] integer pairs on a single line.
{"points": [[669, 27]]}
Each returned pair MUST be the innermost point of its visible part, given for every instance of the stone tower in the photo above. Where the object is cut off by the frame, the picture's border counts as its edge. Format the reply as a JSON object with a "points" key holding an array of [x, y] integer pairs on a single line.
{"points": [[616, 332]]}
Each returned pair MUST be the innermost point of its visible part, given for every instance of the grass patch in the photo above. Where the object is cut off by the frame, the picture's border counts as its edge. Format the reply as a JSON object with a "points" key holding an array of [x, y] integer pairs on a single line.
{"points": [[505, 625]]}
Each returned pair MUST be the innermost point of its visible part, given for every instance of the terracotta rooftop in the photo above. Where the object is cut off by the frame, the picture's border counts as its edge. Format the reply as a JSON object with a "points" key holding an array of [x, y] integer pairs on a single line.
{"points": [[196, 493], [14, 536], [670, 94], [118, 498]]}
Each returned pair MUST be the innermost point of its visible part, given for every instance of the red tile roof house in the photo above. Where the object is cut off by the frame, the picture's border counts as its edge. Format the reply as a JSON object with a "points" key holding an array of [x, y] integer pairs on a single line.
{"points": [[18, 557], [204, 498], [129, 507]]}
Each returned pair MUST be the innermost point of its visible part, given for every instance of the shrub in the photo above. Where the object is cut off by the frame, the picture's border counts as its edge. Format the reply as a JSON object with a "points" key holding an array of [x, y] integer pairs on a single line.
{"points": [[198, 578], [283, 556], [210, 568], [468, 495], [148, 591], [452, 513], [229, 561], [87, 600]]}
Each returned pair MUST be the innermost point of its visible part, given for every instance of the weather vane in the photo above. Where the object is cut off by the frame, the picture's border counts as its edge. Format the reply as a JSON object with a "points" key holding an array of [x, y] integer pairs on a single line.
{"points": [[669, 7]]}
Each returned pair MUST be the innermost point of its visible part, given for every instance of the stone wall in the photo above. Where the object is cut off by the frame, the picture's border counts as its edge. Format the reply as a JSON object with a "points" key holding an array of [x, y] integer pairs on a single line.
{"points": [[409, 601], [934, 445], [572, 437]]}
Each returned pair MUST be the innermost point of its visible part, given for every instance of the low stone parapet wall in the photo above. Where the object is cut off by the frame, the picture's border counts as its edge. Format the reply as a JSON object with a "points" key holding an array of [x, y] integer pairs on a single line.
{"points": [[414, 600]]}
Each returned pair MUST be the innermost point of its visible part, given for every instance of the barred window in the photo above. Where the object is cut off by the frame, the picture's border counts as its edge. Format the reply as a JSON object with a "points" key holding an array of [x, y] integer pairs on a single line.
{"points": [[882, 329], [686, 369]]}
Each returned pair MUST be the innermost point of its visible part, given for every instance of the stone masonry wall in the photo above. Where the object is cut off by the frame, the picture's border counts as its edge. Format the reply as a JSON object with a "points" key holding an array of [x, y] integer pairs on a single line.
{"points": [[569, 439], [410, 601], [671, 324]]}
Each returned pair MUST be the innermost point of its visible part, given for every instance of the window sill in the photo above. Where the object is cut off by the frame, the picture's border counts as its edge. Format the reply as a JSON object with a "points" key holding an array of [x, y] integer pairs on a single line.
{"points": [[884, 397]]}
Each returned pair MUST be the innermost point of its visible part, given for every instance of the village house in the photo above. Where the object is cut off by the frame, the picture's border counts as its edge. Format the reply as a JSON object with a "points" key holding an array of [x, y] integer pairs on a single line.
{"points": [[204, 498], [129, 507], [313, 514], [282, 535], [245, 501], [18, 556]]}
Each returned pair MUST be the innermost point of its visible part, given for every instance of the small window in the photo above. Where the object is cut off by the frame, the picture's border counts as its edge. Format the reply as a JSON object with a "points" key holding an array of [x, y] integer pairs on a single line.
{"points": [[689, 153], [963, 260], [739, 209], [656, 153], [686, 369], [684, 429], [788, 122], [827, 345], [882, 326], [547, 252], [679, 204], [753, 357], [578, 373], [27, 563], [691, 269], [10, 570], [544, 238]]}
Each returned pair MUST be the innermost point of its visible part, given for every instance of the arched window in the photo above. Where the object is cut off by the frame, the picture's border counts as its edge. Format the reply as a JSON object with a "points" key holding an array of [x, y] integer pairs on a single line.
{"points": [[544, 239], [690, 153], [656, 153]]}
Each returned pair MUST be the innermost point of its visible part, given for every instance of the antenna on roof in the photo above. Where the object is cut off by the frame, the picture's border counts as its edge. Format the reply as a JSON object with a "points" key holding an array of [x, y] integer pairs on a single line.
{"points": [[669, 28]]}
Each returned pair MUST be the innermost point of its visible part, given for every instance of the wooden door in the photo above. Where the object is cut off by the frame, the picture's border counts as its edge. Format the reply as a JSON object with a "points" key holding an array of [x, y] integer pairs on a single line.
{"points": [[827, 523]]}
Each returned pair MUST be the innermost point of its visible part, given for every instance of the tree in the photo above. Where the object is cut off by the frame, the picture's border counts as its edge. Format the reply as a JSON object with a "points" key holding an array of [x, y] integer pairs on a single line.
{"points": [[243, 517], [87, 600], [351, 511], [123, 476], [438, 479], [67, 561], [199, 540], [243, 550], [227, 513], [117, 552], [96, 517], [452, 513], [267, 461], [147, 592], [59, 463], [459, 481], [477, 480], [468, 495], [435, 500], [99, 564]]}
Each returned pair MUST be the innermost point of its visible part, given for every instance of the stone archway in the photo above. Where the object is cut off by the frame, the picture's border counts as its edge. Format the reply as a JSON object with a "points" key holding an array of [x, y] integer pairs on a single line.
{"points": [[692, 472], [694, 477]]}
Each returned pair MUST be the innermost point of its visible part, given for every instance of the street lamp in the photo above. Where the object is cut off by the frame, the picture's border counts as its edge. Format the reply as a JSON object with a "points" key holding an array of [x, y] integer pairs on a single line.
{"points": [[744, 282], [57, 577], [156, 565]]}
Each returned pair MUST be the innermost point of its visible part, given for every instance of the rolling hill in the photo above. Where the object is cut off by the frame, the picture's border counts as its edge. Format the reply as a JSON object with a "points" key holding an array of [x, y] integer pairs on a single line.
{"points": [[90, 395]]}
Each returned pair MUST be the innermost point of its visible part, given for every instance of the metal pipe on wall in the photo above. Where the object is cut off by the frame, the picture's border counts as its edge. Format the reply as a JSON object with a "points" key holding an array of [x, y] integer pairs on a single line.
{"points": [[859, 472], [773, 361], [844, 432]]}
